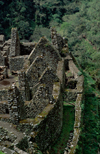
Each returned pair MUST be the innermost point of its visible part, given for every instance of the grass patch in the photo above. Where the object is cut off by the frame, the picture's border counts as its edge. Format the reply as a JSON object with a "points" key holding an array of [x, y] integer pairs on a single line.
{"points": [[1, 152], [68, 124]]}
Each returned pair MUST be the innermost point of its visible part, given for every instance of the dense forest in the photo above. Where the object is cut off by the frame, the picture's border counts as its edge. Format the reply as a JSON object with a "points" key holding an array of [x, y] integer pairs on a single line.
{"points": [[79, 22]]}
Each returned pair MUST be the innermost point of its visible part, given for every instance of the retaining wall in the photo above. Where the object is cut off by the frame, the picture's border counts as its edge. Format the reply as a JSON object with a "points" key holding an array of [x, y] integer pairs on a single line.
{"points": [[78, 112]]}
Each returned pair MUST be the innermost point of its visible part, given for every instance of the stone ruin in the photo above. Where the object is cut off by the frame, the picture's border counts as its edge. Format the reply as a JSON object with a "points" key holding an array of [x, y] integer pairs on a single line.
{"points": [[32, 81]]}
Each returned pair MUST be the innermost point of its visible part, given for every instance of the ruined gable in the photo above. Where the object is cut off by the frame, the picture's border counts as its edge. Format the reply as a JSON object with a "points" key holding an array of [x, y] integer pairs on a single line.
{"points": [[41, 99], [48, 77], [35, 70], [47, 51]]}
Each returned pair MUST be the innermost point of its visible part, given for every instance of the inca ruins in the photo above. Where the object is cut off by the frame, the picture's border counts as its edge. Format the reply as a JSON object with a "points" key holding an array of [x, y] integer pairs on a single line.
{"points": [[33, 78]]}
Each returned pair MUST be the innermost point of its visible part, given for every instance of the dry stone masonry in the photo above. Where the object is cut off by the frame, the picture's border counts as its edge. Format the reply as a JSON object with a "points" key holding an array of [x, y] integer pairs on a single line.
{"points": [[33, 77], [15, 43]]}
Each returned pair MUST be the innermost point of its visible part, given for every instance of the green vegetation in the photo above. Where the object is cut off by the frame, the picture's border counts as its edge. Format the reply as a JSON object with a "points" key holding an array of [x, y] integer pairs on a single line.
{"points": [[23, 144], [1, 152], [90, 129], [77, 20], [68, 123]]}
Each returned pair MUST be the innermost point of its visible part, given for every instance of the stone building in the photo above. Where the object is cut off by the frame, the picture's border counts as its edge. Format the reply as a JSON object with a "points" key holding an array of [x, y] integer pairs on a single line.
{"points": [[31, 86]]}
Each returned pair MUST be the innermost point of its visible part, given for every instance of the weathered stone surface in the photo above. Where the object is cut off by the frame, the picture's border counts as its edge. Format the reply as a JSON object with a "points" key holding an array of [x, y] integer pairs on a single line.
{"points": [[61, 72], [16, 63], [48, 76], [35, 71], [47, 51], [3, 72], [41, 81], [4, 107], [56, 90], [16, 105], [57, 40], [2, 39], [70, 95], [74, 70], [15, 43], [1, 60], [41, 99], [24, 85], [80, 84], [6, 50], [3, 95], [50, 127]]}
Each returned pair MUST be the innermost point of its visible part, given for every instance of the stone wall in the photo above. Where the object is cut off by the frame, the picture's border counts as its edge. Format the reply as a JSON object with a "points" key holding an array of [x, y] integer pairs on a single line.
{"points": [[42, 81], [35, 70], [2, 39], [49, 129], [3, 94], [3, 72], [15, 43], [61, 73], [2, 63], [71, 148], [16, 105], [47, 51], [38, 103], [57, 40], [42, 94], [24, 85], [26, 48], [4, 107], [16, 63], [48, 77], [77, 126], [41, 98], [74, 70], [46, 126]]}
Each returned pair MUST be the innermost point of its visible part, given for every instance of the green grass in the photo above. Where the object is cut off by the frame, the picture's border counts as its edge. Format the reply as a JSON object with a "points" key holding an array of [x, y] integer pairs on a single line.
{"points": [[68, 123], [1, 152]]}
